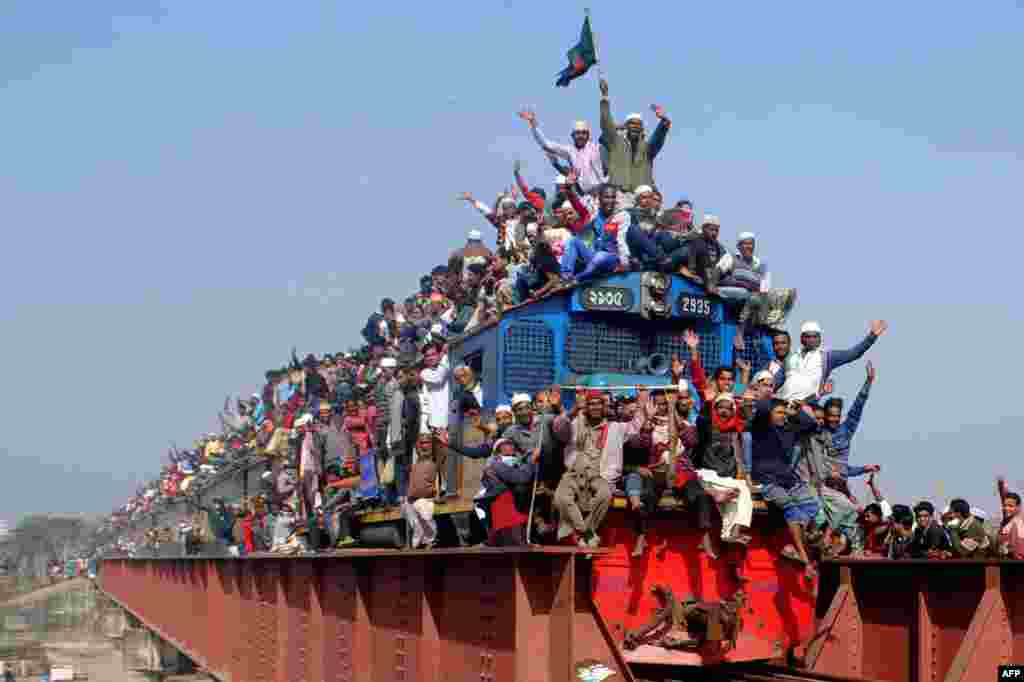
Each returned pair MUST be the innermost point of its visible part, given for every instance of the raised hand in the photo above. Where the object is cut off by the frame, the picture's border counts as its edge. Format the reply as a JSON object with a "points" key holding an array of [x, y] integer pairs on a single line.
{"points": [[878, 327], [517, 166], [571, 177], [871, 372], [465, 196], [691, 339], [555, 397], [529, 117], [643, 396], [827, 387], [658, 110], [603, 84], [739, 343], [677, 366], [742, 364]]}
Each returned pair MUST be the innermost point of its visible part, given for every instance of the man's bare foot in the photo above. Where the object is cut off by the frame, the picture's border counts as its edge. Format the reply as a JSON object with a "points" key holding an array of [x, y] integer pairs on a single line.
{"points": [[707, 545], [721, 496], [640, 547]]}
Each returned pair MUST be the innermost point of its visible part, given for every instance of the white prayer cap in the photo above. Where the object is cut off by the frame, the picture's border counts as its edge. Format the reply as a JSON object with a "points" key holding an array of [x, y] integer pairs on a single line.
{"points": [[724, 398], [498, 443], [508, 201], [436, 329], [642, 189], [565, 205], [810, 327], [531, 228], [388, 363], [560, 180], [502, 408], [581, 125], [521, 398], [745, 237], [303, 420], [634, 117], [979, 513], [763, 375], [475, 235], [711, 220], [683, 385]]}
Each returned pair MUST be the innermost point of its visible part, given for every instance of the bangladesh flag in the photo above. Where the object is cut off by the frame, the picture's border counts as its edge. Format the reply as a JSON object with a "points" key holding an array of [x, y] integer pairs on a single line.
{"points": [[581, 57]]}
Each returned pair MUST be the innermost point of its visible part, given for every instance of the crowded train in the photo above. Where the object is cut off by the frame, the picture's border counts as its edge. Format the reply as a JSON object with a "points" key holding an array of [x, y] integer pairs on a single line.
{"points": [[602, 349]]}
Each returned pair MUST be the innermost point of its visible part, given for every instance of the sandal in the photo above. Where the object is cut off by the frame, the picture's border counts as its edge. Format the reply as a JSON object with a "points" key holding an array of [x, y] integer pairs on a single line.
{"points": [[789, 552]]}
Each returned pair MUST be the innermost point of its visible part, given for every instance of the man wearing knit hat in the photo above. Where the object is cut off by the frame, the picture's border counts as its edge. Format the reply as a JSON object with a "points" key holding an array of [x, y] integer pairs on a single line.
{"points": [[804, 372], [630, 156], [584, 154]]}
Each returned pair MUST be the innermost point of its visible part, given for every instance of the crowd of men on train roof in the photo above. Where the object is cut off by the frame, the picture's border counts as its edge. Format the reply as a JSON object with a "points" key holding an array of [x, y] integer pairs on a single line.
{"points": [[351, 429]]}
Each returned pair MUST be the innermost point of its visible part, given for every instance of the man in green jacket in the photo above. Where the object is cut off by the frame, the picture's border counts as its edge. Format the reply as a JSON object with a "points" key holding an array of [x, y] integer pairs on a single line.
{"points": [[967, 533], [630, 156]]}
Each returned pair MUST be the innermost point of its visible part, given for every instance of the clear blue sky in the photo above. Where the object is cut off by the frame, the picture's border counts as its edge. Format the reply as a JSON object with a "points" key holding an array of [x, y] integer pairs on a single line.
{"points": [[188, 189]]}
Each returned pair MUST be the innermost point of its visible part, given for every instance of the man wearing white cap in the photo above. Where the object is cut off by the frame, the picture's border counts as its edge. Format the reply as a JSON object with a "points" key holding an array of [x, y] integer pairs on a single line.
{"points": [[583, 154], [474, 252], [704, 254], [804, 372], [637, 244], [630, 156], [743, 274]]}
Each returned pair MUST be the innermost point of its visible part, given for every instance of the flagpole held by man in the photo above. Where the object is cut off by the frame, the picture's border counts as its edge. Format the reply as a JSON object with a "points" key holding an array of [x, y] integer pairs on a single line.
{"points": [[581, 56]]}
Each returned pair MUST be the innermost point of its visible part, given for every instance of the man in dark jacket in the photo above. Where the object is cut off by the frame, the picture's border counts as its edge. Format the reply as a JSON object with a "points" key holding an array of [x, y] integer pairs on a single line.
{"points": [[775, 427], [404, 408]]}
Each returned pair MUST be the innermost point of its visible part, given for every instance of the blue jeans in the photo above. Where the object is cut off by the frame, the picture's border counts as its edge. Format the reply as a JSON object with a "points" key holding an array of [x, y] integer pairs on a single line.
{"points": [[738, 294], [634, 485], [643, 247], [598, 262], [525, 281]]}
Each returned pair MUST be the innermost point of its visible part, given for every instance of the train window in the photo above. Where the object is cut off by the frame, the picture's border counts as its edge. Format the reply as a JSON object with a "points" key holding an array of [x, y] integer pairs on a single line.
{"points": [[529, 357], [595, 345]]}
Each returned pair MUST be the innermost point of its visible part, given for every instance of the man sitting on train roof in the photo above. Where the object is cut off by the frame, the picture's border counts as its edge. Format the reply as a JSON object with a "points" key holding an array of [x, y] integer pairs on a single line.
{"points": [[637, 244], [593, 462], [596, 247], [704, 252], [745, 279], [804, 372], [630, 156]]}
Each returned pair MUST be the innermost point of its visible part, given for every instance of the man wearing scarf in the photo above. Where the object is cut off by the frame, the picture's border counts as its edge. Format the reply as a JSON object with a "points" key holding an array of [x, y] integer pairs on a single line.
{"points": [[593, 462], [719, 461], [966, 532]]}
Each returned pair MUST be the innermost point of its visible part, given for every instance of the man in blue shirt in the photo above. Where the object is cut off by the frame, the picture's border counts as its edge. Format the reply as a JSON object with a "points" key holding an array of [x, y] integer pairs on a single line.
{"points": [[597, 244]]}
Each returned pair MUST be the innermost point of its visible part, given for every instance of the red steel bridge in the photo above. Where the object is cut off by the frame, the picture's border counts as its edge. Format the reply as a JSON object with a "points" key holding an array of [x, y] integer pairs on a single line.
{"points": [[528, 615]]}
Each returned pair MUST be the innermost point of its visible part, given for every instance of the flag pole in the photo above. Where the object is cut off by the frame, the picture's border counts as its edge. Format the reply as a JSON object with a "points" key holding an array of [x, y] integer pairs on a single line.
{"points": [[597, 55]]}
